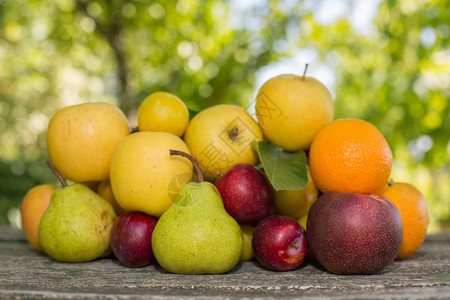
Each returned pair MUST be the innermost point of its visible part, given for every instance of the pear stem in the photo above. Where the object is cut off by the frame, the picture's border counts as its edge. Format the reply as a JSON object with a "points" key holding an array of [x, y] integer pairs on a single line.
{"points": [[304, 72], [56, 172], [193, 161]]}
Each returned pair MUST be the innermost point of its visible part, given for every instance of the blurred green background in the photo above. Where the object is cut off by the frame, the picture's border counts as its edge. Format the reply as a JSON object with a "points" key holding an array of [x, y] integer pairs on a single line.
{"points": [[387, 62]]}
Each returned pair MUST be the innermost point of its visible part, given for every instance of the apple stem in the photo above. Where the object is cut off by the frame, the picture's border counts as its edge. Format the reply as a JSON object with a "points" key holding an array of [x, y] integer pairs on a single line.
{"points": [[56, 172], [193, 161], [304, 72], [233, 133]]}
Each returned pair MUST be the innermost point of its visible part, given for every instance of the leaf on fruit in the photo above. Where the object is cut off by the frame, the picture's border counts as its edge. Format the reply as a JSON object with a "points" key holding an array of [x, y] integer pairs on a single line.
{"points": [[285, 170]]}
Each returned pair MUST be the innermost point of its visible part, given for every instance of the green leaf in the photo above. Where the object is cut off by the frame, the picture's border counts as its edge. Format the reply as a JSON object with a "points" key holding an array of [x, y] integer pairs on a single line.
{"points": [[285, 170]]}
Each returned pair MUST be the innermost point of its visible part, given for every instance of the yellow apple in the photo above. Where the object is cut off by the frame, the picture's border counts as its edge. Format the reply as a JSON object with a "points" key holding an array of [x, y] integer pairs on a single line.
{"points": [[33, 206], [93, 185], [162, 111], [291, 110], [81, 140], [220, 137], [247, 251], [303, 220], [144, 176], [105, 191], [296, 203]]}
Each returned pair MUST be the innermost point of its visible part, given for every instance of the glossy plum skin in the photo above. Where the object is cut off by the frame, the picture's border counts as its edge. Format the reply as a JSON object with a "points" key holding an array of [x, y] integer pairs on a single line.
{"points": [[131, 239], [246, 193], [353, 233], [279, 243]]}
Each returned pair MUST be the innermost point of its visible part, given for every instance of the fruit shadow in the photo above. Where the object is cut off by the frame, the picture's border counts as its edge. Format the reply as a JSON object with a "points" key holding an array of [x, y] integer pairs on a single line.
{"points": [[157, 268], [316, 265], [416, 255], [241, 267], [257, 264]]}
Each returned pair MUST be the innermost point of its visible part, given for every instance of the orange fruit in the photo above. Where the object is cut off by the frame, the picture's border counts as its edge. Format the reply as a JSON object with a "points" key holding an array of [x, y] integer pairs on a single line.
{"points": [[413, 209], [33, 206], [350, 155]]}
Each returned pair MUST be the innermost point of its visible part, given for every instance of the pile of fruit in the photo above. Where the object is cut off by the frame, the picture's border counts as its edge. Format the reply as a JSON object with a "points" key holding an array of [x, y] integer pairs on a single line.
{"points": [[199, 193]]}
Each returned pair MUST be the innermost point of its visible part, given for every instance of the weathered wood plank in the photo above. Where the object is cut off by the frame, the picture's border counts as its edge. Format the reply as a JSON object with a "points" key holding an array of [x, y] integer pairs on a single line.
{"points": [[24, 273]]}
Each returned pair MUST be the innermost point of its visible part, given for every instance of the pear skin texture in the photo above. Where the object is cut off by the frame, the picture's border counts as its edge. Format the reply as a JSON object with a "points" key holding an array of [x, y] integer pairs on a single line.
{"points": [[76, 225], [220, 137], [81, 140], [196, 235], [292, 109], [144, 176]]}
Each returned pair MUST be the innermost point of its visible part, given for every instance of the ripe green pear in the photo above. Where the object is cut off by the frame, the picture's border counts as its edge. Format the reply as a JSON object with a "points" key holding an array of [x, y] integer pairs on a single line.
{"points": [[76, 225], [196, 235]]}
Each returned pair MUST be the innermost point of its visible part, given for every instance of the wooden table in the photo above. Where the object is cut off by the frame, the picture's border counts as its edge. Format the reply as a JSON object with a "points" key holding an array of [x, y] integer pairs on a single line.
{"points": [[24, 273]]}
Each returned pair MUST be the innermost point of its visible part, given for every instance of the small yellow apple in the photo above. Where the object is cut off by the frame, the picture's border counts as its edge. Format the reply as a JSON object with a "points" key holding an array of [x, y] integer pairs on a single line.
{"points": [[296, 203], [220, 137], [162, 111], [144, 176], [303, 220], [81, 140], [291, 109], [33, 206], [247, 251]]}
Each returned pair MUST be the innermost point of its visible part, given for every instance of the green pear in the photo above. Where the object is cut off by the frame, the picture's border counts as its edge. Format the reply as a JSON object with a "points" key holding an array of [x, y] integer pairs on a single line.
{"points": [[196, 235], [76, 225]]}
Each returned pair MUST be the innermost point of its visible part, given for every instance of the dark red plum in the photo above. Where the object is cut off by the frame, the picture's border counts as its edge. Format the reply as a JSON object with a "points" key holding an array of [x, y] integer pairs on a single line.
{"points": [[246, 193], [279, 243], [131, 239]]}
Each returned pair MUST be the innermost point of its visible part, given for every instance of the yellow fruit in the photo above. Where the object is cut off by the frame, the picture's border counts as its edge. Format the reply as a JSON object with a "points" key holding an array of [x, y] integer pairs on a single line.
{"points": [[247, 251], [33, 206], [352, 156], [303, 220], [144, 176], [105, 191], [413, 209], [220, 137], [81, 140], [291, 110], [93, 185], [296, 203], [162, 111]]}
